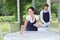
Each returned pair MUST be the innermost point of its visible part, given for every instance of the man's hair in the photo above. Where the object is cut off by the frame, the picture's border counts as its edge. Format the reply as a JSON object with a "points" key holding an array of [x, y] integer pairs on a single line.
{"points": [[46, 5]]}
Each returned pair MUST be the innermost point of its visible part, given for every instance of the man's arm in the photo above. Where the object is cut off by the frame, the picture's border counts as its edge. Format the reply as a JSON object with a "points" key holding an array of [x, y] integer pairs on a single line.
{"points": [[41, 16]]}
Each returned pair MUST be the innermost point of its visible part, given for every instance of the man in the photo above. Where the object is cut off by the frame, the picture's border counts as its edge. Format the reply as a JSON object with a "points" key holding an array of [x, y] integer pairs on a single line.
{"points": [[45, 16]]}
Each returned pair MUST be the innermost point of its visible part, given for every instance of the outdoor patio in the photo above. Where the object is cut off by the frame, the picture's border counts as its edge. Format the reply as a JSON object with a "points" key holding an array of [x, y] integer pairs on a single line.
{"points": [[13, 29]]}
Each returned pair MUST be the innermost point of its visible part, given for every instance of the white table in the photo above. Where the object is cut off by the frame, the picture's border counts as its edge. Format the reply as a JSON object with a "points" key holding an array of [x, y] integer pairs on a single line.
{"points": [[32, 35]]}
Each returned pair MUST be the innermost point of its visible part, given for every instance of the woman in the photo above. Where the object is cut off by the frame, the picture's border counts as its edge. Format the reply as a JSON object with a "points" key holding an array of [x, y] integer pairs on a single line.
{"points": [[30, 20]]}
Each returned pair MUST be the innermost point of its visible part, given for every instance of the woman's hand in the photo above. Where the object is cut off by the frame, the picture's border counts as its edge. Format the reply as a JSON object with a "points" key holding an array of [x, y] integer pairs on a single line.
{"points": [[37, 24], [23, 27], [21, 32]]}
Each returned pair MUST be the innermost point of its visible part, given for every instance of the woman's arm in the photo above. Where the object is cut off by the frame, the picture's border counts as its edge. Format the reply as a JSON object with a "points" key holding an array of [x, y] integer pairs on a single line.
{"points": [[24, 26], [37, 23]]}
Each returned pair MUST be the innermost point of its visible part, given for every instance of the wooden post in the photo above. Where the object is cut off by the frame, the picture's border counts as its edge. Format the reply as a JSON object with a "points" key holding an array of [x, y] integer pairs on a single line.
{"points": [[49, 3], [33, 3], [59, 11], [18, 10]]}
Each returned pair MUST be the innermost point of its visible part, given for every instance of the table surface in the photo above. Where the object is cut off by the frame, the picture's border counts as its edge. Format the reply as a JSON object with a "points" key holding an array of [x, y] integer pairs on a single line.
{"points": [[32, 35]]}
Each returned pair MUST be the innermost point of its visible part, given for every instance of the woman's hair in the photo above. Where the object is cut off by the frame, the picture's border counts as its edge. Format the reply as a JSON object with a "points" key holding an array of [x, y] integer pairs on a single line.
{"points": [[32, 9]]}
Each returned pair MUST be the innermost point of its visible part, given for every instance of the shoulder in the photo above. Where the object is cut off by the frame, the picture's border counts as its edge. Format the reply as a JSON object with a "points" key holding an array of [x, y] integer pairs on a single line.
{"points": [[41, 11], [36, 16], [28, 17]]}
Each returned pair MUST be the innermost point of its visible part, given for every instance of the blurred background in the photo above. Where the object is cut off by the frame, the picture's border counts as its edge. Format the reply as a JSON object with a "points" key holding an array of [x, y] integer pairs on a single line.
{"points": [[38, 6], [9, 13]]}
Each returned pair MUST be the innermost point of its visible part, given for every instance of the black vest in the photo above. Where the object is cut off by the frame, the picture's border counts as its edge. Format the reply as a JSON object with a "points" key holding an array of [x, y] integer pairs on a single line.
{"points": [[46, 16]]}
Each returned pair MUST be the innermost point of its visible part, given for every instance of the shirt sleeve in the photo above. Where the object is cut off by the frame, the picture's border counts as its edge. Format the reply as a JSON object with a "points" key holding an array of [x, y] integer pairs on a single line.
{"points": [[37, 18], [27, 17], [41, 16]]}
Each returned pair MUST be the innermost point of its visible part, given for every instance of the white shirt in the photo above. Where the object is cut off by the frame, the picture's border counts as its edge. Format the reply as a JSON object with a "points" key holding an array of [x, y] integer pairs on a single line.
{"points": [[30, 19], [41, 13]]}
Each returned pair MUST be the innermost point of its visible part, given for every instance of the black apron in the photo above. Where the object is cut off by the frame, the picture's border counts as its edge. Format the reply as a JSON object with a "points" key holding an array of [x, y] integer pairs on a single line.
{"points": [[46, 16], [31, 27]]}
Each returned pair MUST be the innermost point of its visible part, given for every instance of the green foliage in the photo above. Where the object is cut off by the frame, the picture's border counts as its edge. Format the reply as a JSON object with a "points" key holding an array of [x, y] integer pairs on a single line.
{"points": [[39, 5], [7, 18], [1, 4], [4, 27], [9, 7], [54, 16], [24, 17], [8, 10], [23, 8], [54, 8]]}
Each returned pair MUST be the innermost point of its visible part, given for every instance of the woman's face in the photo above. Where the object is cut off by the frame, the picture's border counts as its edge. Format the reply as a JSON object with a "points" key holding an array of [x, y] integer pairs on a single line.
{"points": [[30, 12]]}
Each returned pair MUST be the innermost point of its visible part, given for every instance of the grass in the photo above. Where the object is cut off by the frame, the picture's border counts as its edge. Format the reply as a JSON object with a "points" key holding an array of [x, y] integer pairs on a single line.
{"points": [[59, 27], [4, 27], [55, 26]]}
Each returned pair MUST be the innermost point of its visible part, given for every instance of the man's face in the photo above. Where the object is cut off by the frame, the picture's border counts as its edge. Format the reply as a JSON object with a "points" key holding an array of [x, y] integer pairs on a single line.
{"points": [[46, 8]]}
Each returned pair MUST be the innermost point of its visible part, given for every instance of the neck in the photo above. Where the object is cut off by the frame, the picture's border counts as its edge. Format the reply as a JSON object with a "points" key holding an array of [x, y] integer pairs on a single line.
{"points": [[45, 9], [32, 15]]}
